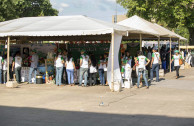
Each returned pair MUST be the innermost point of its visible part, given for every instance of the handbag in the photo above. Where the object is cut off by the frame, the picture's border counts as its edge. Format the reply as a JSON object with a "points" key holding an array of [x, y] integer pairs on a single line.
{"points": [[180, 62]]}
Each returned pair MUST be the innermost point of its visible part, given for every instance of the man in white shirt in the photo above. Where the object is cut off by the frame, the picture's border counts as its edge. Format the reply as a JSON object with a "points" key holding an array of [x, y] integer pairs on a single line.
{"points": [[84, 64], [33, 67], [17, 64], [1, 66], [155, 64]]}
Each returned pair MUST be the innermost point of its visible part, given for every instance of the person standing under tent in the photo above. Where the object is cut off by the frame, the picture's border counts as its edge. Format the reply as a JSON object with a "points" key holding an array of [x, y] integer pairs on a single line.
{"points": [[93, 70], [17, 64], [10, 67], [142, 63], [105, 67], [155, 64], [101, 70], [1, 67], [59, 68], [5, 69], [64, 73], [177, 64], [33, 67], [84, 64], [70, 67]]}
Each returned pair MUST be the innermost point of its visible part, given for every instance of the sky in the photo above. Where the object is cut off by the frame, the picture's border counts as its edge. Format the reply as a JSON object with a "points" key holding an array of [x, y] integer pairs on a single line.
{"points": [[99, 9]]}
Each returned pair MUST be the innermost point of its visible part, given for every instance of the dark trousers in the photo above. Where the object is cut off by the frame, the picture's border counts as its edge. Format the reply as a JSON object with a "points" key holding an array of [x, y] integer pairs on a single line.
{"points": [[10, 72], [64, 76], [18, 74], [92, 76], [177, 70], [4, 76]]}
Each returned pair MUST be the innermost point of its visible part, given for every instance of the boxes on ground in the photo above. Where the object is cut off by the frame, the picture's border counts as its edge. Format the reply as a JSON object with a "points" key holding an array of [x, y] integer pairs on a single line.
{"points": [[161, 72]]}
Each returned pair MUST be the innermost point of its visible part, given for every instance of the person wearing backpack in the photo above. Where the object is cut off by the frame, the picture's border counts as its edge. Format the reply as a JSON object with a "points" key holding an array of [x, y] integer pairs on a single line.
{"points": [[142, 63], [176, 58], [155, 64]]}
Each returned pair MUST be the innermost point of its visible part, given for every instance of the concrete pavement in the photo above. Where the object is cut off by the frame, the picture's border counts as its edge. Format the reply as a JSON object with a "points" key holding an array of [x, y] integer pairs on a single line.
{"points": [[169, 102]]}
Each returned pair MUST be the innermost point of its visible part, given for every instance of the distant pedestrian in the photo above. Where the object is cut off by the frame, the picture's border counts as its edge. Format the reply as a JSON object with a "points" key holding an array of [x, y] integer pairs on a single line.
{"points": [[93, 70], [70, 67], [101, 70], [5, 69], [17, 64], [176, 58], [155, 64], [59, 68], [1, 68], [84, 65]]}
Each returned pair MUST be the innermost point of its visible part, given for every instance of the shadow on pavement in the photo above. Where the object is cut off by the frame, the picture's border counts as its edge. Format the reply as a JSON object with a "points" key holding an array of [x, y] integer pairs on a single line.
{"points": [[20, 116]]}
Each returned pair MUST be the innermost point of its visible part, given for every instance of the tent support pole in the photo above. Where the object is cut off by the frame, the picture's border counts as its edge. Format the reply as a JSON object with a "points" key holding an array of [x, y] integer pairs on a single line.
{"points": [[8, 53], [112, 67], [140, 42], [170, 53], [158, 44]]}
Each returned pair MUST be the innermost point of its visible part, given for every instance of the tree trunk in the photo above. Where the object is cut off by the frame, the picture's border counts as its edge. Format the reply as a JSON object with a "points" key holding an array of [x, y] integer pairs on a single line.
{"points": [[191, 38]]}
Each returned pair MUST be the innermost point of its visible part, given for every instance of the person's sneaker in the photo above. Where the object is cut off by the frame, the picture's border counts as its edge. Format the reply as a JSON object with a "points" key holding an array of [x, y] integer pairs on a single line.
{"points": [[147, 87]]}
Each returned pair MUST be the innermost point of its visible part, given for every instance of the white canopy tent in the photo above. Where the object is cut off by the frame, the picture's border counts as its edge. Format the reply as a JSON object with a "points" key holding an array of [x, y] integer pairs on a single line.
{"points": [[69, 28], [146, 26]]}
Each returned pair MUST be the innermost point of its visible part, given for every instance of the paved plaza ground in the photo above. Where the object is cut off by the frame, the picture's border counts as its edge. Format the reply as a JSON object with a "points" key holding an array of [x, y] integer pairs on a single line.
{"points": [[167, 103]]}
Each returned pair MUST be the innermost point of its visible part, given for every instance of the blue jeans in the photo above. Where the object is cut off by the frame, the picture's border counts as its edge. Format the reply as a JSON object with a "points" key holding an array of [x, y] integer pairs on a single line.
{"points": [[59, 71], [144, 77], [30, 75], [83, 71], [101, 74], [1, 76], [70, 76], [155, 67], [164, 65]]}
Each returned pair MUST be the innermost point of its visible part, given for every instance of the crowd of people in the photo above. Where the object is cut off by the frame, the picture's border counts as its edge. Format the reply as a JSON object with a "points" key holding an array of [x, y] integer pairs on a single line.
{"points": [[146, 62]]}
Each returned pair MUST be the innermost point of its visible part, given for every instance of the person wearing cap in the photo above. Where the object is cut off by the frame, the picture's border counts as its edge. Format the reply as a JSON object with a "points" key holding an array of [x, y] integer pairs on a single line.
{"points": [[59, 67], [176, 59], [142, 63], [155, 64], [33, 67], [84, 64], [17, 64]]}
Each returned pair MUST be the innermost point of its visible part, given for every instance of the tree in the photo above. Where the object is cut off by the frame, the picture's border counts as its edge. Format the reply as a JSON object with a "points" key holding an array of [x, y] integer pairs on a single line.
{"points": [[176, 14], [11, 9]]}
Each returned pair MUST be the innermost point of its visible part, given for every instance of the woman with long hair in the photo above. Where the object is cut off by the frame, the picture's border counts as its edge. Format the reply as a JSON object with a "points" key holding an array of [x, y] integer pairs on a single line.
{"points": [[92, 70], [70, 67]]}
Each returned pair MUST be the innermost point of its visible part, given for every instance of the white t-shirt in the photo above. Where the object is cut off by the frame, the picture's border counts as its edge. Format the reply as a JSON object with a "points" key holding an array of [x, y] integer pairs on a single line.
{"points": [[1, 58], [18, 61], [93, 69], [100, 64], [85, 60], [59, 61], [156, 57], [142, 61], [176, 59], [70, 64], [34, 62], [5, 64]]}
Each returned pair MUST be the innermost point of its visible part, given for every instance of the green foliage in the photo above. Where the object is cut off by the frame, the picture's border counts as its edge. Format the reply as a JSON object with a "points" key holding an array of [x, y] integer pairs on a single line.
{"points": [[11, 9], [174, 14]]}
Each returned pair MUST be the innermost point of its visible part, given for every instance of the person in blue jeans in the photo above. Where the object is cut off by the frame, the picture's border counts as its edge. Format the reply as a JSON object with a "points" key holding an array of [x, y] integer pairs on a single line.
{"points": [[70, 67], [101, 70], [59, 68], [155, 64], [33, 67], [142, 68]]}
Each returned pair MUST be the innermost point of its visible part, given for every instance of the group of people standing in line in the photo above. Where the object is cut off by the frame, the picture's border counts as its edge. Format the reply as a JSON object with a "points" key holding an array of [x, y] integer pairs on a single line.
{"points": [[88, 67], [149, 61]]}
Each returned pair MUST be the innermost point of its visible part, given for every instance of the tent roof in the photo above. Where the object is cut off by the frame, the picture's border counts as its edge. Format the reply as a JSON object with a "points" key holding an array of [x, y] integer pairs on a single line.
{"points": [[146, 26], [60, 26]]}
